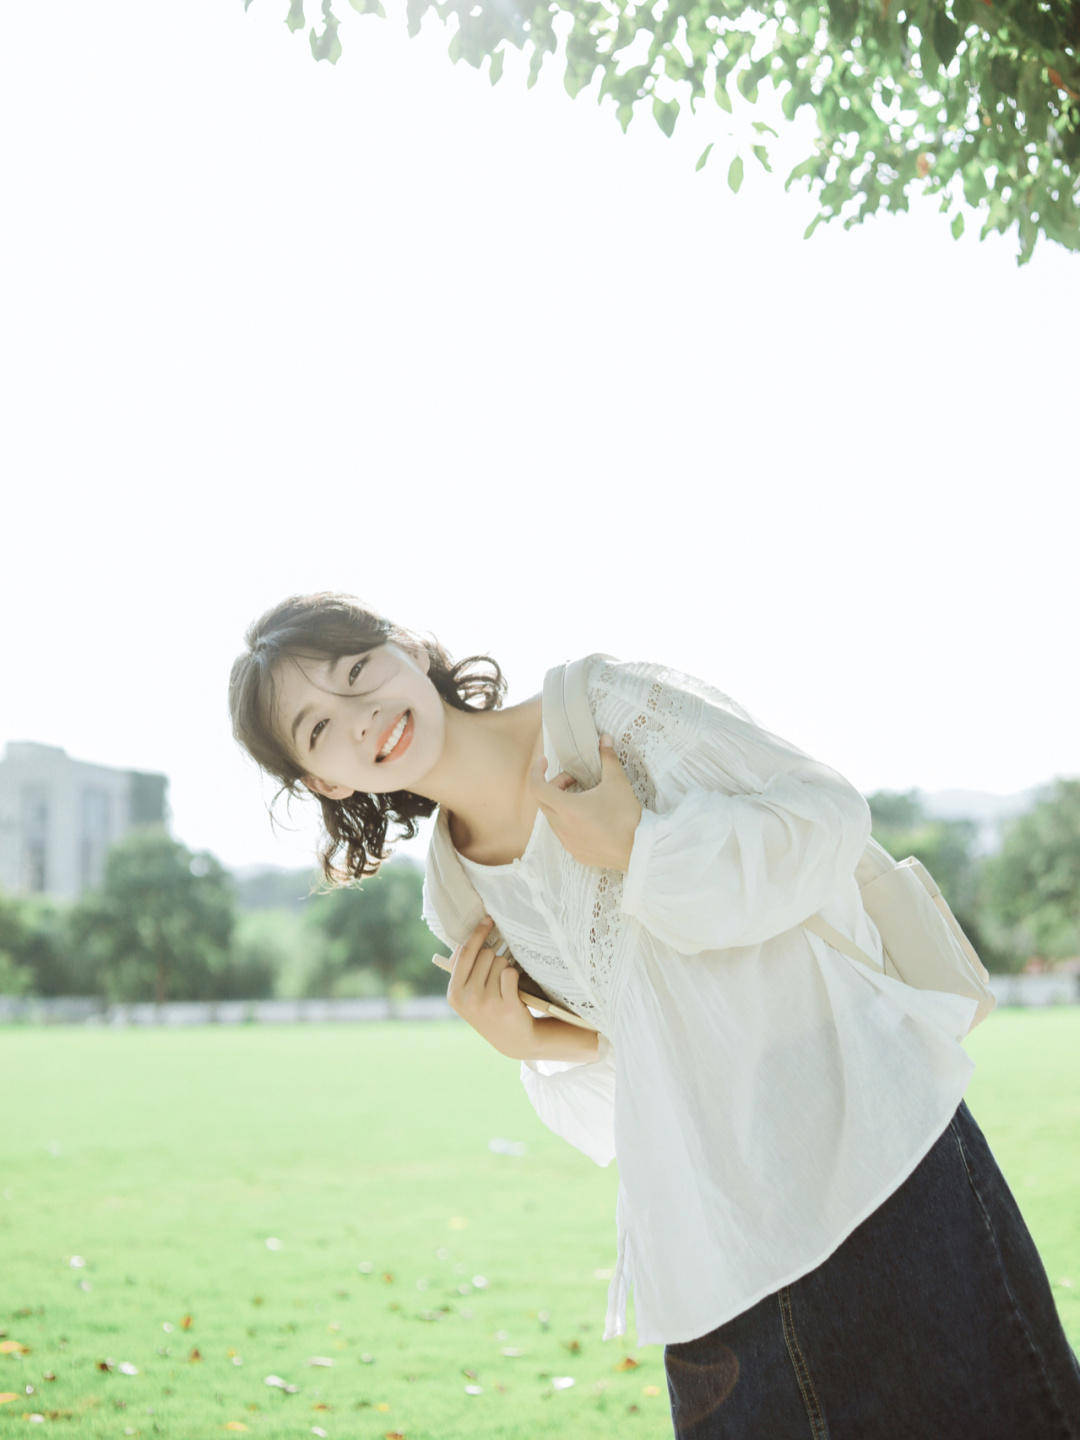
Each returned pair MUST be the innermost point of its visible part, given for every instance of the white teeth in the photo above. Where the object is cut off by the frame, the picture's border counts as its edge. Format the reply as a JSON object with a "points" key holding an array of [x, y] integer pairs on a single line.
{"points": [[395, 736]]}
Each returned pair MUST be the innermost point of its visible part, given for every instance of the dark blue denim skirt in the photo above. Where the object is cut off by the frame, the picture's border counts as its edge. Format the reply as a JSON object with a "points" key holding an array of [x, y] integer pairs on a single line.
{"points": [[933, 1320]]}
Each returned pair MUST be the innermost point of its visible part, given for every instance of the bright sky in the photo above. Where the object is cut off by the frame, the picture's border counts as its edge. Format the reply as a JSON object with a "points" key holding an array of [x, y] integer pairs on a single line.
{"points": [[516, 379]]}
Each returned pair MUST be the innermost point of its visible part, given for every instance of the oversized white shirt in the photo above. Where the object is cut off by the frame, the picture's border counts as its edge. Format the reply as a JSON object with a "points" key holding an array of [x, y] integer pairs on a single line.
{"points": [[762, 1092]]}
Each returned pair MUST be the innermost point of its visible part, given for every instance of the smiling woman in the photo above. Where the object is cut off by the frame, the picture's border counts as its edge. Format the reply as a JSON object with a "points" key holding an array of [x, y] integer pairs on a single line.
{"points": [[321, 687]]}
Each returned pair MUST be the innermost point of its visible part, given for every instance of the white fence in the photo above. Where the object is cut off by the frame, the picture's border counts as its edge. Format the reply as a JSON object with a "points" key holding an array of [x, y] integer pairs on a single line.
{"points": [[1026, 990], [85, 1010]]}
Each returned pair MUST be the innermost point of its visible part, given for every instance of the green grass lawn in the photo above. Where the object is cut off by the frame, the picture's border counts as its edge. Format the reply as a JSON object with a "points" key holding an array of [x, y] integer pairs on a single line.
{"points": [[455, 1291]]}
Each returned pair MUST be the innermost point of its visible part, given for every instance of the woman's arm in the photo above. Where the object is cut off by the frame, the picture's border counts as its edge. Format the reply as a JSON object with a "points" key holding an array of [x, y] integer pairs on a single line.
{"points": [[741, 835], [558, 1040], [719, 871]]}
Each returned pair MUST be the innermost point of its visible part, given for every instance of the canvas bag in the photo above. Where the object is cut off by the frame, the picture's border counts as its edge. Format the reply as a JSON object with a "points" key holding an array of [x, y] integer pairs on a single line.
{"points": [[922, 941]]}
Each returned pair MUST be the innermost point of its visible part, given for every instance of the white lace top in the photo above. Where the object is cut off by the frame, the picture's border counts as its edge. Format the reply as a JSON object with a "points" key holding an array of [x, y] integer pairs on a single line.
{"points": [[762, 1092]]}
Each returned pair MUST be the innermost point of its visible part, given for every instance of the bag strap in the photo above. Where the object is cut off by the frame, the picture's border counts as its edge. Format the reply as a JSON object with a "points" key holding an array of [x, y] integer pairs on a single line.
{"points": [[572, 735], [569, 720], [829, 933], [572, 730]]}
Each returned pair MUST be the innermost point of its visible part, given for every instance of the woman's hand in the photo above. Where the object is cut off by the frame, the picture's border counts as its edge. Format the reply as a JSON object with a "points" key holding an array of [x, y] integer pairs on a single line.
{"points": [[483, 990], [596, 826]]}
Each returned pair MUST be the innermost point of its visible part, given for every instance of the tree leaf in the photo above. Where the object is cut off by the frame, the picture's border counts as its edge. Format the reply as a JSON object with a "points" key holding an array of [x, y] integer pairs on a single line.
{"points": [[734, 174], [704, 155], [665, 113], [957, 226], [945, 35]]}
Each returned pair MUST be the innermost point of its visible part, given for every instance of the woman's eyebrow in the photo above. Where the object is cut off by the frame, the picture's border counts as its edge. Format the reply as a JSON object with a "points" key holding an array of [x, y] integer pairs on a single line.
{"points": [[331, 666], [295, 724]]}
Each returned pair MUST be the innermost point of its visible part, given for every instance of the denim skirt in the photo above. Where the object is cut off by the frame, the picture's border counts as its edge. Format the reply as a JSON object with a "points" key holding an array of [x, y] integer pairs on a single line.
{"points": [[933, 1320]]}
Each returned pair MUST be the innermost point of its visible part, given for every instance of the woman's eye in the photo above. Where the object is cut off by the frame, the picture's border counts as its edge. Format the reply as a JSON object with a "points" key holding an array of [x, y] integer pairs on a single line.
{"points": [[356, 669], [316, 733]]}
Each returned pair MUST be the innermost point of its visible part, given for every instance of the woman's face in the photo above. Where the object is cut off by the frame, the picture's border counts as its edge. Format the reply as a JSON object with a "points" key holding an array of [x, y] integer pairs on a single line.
{"points": [[334, 717]]}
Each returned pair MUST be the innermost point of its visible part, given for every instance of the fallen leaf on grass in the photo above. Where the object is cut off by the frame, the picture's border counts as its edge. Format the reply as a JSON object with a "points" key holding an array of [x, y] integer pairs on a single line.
{"points": [[13, 1347], [627, 1363], [236, 1425], [7, 1395], [186, 1323]]}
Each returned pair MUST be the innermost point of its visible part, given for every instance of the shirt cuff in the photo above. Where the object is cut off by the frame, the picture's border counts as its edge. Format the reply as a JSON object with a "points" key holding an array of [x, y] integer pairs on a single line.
{"points": [[640, 851]]}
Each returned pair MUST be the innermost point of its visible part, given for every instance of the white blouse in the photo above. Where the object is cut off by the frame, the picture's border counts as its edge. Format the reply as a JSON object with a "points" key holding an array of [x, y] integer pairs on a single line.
{"points": [[762, 1092]]}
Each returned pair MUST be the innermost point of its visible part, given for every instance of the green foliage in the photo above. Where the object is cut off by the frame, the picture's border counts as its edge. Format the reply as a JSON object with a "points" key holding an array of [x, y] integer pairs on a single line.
{"points": [[947, 849], [1033, 882], [1022, 900], [376, 928], [974, 101], [895, 810], [33, 944], [15, 979], [279, 949], [160, 927], [270, 888]]}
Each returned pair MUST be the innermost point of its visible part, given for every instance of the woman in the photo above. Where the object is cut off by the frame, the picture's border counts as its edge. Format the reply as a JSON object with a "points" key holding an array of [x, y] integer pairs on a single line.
{"points": [[812, 1222]]}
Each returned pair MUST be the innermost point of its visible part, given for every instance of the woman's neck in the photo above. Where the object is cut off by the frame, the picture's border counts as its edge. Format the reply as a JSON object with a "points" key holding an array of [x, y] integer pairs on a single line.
{"points": [[481, 779]]}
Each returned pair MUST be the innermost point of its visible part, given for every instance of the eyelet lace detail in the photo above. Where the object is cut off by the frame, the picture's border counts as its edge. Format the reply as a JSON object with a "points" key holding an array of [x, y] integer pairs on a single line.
{"points": [[643, 734], [550, 971], [648, 732]]}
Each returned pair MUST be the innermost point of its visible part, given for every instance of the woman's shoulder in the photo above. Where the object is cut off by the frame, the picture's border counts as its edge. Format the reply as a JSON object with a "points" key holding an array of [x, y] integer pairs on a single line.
{"points": [[641, 704]]}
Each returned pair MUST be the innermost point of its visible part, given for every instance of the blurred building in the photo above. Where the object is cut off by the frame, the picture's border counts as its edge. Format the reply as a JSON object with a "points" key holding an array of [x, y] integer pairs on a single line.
{"points": [[59, 816]]}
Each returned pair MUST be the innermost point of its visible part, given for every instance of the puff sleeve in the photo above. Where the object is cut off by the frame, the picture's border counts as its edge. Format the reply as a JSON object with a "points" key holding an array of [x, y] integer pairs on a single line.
{"points": [[748, 836], [576, 1100]]}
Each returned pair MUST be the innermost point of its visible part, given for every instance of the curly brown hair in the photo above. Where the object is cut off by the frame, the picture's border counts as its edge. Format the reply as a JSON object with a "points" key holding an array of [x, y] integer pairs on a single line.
{"points": [[326, 626]]}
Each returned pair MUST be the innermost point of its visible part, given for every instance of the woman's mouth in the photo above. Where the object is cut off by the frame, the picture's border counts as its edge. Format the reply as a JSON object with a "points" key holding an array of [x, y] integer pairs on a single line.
{"points": [[404, 735]]}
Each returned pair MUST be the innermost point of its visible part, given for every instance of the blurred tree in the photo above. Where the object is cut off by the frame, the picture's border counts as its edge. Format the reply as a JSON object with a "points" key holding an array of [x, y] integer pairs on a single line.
{"points": [[161, 925], [972, 101], [272, 889], [15, 979], [1032, 884], [895, 810], [288, 949], [947, 849], [33, 935], [375, 927]]}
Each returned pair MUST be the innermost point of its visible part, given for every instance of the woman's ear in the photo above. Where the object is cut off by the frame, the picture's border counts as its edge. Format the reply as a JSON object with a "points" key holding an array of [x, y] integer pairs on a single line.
{"points": [[329, 792]]}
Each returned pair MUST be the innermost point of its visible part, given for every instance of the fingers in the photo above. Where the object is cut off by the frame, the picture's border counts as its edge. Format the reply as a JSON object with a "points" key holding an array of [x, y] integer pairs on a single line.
{"points": [[466, 956], [562, 781], [477, 967]]}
